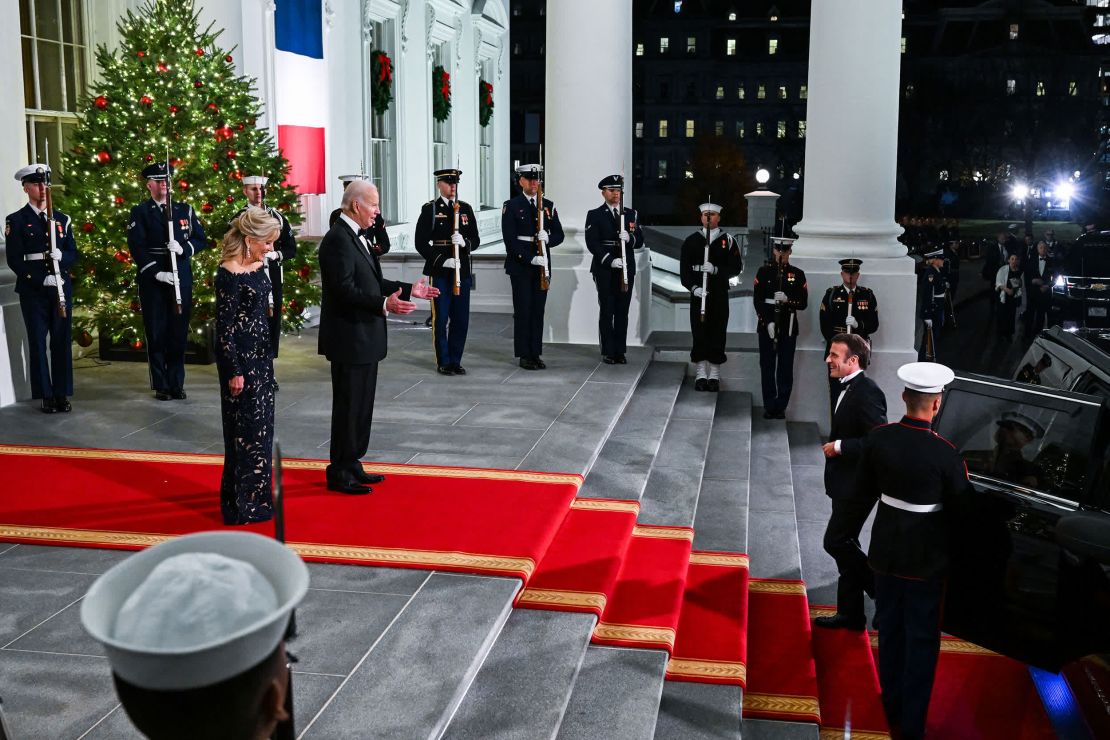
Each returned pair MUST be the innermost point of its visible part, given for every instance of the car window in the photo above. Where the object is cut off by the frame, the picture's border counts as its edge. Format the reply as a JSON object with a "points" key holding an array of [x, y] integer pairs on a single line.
{"points": [[1092, 384], [1032, 439], [1041, 367]]}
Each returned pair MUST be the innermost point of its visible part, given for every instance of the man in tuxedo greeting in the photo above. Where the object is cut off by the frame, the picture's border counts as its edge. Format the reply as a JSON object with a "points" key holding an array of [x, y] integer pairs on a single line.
{"points": [[355, 302]]}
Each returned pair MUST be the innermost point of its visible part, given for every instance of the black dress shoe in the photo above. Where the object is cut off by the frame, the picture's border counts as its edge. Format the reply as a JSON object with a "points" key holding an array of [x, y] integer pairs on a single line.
{"points": [[540, 364], [768, 415], [369, 478], [622, 360], [62, 404], [780, 414], [459, 369], [445, 370], [47, 406], [162, 395], [608, 360], [701, 384], [841, 622], [714, 385], [527, 364], [350, 488], [178, 395]]}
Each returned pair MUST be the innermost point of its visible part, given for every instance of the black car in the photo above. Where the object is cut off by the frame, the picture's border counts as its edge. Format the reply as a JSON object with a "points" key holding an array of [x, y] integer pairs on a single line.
{"points": [[1072, 360], [1081, 291], [1030, 576]]}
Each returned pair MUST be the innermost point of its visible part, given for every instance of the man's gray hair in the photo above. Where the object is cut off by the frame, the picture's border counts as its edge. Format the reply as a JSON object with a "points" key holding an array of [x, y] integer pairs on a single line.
{"points": [[358, 189]]}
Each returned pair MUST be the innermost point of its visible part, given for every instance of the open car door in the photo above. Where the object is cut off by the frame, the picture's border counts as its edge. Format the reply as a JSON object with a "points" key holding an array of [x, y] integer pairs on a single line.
{"points": [[1022, 583]]}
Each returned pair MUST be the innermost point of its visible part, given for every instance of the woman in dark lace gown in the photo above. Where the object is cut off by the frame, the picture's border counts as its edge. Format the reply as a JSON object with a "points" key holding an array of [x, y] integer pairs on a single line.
{"points": [[246, 369]]}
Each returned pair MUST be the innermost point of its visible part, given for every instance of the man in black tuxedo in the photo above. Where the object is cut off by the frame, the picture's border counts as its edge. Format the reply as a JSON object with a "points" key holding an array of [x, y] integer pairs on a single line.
{"points": [[355, 302], [1039, 275], [859, 408]]}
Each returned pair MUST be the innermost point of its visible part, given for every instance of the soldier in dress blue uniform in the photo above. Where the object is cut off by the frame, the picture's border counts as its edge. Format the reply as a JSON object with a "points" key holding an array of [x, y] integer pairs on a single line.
{"points": [[31, 259], [934, 289], [436, 240], [780, 291], [524, 263], [613, 252], [848, 308], [166, 330]]}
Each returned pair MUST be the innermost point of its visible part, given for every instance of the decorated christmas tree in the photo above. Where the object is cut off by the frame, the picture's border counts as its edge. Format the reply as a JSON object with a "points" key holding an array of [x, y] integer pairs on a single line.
{"points": [[168, 88]]}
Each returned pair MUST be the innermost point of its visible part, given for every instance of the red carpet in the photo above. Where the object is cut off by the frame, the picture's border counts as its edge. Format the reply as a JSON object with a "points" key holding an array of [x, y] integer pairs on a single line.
{"points": [[712, 641], [848, 682], [477, 521], [782, 677]]}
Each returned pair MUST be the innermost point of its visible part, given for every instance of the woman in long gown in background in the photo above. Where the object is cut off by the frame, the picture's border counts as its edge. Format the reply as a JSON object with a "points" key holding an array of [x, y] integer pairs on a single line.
{"points": [[246, 368]]}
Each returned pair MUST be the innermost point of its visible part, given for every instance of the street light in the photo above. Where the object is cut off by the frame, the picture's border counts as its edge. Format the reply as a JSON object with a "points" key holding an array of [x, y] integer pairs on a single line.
{"points": [[1020, 191], [1064, 191], [762, 176]]}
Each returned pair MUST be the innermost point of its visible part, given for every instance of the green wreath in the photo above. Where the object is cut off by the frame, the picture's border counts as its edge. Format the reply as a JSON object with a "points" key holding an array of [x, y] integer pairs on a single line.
{"points": [[381, 83], [485, 102], [441, 93]]}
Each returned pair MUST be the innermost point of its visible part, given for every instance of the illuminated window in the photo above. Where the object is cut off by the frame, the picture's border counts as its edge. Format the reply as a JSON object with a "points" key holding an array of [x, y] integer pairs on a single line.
{"points": [[662, 169], [1011, 87], [780, 131], [803, 92], [639, 50], [1073, 88], [719, 128], [1014, 29], [689, 128], [909, 91], [663, 129], [664, 45], [730, 47], [772, 46], [741, 93], [782, 92], [761, 92], [801, 129], [720, 92], [739, 129], [691, 45], [689, 171], [732, 16], [639, 129], [1040, 89], [902, 45], [759, 128]]}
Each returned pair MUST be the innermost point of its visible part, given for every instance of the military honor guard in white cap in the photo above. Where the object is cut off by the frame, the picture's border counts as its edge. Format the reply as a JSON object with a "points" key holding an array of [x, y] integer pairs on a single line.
{"points": [[612, 235], [162, 245], [934, 289], [710, 257], [530, 227], [779, 292], [40, 251], [848, 308], [446, 237], [375, 234], [913, 473], [285, 248], [194, 629]]}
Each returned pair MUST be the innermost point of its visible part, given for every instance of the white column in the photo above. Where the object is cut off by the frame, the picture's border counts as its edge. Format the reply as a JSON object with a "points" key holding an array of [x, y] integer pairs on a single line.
{"points": [[850, 165], [588, 135]]}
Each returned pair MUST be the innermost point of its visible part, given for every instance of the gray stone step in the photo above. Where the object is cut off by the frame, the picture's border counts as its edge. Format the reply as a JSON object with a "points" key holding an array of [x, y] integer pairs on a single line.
{"points": [[616, 695], [721, 521], [411, 680], [523, 687], [699, 711], [772, 522], [767, 729]]}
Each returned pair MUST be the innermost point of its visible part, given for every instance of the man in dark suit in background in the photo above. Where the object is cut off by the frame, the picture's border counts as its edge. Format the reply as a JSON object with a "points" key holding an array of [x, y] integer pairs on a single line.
{"points": [[1039, 275], [859, 408], [355, 302]]}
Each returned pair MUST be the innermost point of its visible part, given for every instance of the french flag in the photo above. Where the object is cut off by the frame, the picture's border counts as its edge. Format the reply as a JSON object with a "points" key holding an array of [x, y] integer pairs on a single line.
{"points": [[302, 100]]}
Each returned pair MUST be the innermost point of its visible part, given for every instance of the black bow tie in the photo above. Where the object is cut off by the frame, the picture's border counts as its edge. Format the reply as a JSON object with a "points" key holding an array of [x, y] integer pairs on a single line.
{"points": [[368, 232]]}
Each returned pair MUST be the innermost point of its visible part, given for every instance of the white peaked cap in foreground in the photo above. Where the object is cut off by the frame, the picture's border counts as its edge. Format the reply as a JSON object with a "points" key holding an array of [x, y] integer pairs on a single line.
{"points": [[925, 377]]}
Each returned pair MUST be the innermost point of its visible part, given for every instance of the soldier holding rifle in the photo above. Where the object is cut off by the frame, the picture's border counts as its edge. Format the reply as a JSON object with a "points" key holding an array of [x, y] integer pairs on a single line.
{"points": [[162, 236], [40, 251], [709, 258], [612, 233], [780, 291], [446, 235], [285, 248], [934, 290], [848, 308], [530, 228]]}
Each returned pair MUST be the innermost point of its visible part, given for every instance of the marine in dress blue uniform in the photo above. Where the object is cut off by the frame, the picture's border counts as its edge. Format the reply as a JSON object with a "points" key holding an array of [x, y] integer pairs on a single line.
{"points": [[524, 264], [613, 251], [780, 291], [934, 288], [29, 257], [285, 248], [436, 240], [166, 330]]}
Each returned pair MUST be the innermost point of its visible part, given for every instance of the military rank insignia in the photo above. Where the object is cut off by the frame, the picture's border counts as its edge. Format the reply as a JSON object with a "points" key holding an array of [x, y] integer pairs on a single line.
{"points": [[464, 220]]}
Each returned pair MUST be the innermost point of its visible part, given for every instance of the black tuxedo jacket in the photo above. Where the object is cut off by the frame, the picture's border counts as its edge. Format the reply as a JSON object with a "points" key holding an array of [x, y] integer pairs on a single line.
{"points": [[862, 409], [352, 307]]}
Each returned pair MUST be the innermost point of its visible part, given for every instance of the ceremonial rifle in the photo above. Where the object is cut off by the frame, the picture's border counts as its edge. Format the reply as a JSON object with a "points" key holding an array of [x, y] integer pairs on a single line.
{"points": [[851, 302], [620, 244], [169, 233], [454, 246], [930, 347], [704, 274], [281, 270], [285, 729], [781, 310], [545, 270], [52, 264]]}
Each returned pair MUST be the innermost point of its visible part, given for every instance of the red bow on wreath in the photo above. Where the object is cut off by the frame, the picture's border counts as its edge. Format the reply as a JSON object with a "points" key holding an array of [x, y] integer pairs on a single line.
{"points": [[386, 73]]}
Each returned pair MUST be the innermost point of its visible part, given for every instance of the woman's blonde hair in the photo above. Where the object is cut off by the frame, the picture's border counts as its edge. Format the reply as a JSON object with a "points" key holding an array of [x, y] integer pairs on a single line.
{"points": [[254, 223]]}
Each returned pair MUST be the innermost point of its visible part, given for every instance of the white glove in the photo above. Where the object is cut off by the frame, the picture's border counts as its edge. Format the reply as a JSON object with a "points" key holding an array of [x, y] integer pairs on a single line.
{"points": [[616, 263], [164, 277], [771, 329], [780, 297], [450, 263], [457, 238], [698, 292], [55, 254], [50, 282], [175, 247], [272, 256], [543, 236], [851, 321], [710, 268], [928, 323], [539, 261], [624, 236]]}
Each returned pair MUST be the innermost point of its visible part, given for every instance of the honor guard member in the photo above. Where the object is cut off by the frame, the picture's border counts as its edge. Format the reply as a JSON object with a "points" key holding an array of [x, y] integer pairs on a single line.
{"points": [[614, 261], [437, 240], [147, 237], [376, 234], [285, 248], [32, 260], [708, 350], [934, 290], [780, 291], [913, 473], [848, 308], [527, 260]]}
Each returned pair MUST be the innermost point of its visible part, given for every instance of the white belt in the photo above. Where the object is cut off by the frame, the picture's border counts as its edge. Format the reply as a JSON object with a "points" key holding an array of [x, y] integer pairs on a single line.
{"points": [[35, 256], [526, 238], [898, 503]]}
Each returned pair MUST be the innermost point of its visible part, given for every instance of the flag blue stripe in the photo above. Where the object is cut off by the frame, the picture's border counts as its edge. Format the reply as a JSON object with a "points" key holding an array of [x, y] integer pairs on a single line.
{"points": [[298, 27]]}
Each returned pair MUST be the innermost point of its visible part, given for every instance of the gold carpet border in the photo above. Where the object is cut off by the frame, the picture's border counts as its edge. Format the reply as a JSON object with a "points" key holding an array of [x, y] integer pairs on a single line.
{"points": [[635, 632], [555, 597], [776, 587], [195, 458], [822, 611], [833, 733], [594, 504], [719, 558], [721, 669], [663, 533], [430, 558], [801, 706], [950, 645]]}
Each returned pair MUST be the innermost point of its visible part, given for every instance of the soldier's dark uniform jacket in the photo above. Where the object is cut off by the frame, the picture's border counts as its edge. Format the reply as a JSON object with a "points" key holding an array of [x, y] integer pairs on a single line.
{"points": [[834, 311], [518, 230], [433, 237], [602, 229], [28, 249], [285, 246], [767, 283], [724, 254], [933, 287]]}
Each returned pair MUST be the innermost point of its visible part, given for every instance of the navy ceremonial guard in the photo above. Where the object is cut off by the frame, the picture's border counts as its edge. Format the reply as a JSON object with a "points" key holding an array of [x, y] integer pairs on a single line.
{"points": [[529, 232], [166, 296], [612, 235], [849, 308], [709, 258], [285, 248], [780, 291], [934, 290], [376, 234], [47, 308], [446, 235]]}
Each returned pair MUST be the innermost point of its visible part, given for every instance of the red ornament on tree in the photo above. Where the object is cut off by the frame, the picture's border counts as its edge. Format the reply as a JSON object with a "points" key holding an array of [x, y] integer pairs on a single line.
{"points": [[88, 227], [174, 109], [146, 100], [140, 53], [304, 272], [230, 199], [207, 207], [123, 258], [239, 127], [213, 108], [237, 175], [85, 339], [137, 344], [200, 52], [198, 84], [101, 102], [283, 206], [216, 166], [119, 201], [231, 154], [149, 157], [176, 162], [228, 59], [163, 67], [103, 157], [136, 306], [183, 184]]}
